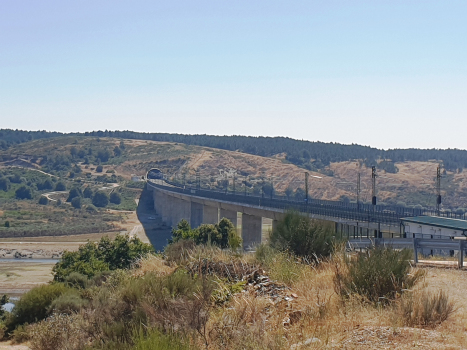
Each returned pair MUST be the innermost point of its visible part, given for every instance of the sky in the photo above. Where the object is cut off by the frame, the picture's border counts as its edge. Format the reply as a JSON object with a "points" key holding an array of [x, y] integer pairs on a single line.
{"points": [[389, 74]]}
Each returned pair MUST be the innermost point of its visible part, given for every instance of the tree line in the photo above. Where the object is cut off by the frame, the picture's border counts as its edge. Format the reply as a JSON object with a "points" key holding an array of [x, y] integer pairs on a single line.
{"points": [[311, 155]]}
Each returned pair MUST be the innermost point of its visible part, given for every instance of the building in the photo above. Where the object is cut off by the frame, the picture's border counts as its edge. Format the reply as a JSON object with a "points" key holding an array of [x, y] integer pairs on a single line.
{"points": [[434, 227]]}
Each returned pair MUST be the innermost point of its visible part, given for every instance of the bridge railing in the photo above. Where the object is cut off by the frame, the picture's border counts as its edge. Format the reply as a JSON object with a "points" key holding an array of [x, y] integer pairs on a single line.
{"points": [[418, 245], [328, 209], [385, 212]]}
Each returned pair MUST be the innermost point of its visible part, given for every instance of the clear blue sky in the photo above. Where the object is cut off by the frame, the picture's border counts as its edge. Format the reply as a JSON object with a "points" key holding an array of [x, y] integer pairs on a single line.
{"points": [[389, 74]]}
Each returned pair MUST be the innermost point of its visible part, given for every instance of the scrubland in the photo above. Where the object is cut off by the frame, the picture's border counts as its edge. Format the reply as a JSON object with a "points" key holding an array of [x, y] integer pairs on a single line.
{"points": [[202, 297]]}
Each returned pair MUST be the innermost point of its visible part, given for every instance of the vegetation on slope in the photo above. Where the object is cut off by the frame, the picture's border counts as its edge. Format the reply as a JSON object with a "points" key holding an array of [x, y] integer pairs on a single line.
{"points": [[310, 155], [204, 297]]}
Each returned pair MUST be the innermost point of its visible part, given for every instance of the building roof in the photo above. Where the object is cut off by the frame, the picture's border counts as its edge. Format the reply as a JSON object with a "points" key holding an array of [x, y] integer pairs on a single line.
{"points": [[455, 224]]}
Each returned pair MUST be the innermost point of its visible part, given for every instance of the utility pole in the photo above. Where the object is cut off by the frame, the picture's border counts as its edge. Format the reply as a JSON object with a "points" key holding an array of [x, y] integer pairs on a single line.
{"points": [[358, 191], [262, 187], [373, 186], [438, 189], [198, 179], [234, 183], [306, 187]]}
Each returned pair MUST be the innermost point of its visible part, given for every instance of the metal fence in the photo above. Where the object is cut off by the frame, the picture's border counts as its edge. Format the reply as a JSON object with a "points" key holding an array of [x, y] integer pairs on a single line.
{"points": [[418, 245]]}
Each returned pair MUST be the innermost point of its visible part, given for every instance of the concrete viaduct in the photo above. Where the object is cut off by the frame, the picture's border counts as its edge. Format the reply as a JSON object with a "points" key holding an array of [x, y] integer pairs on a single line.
{"points": [[198, 207], [174, 206]]}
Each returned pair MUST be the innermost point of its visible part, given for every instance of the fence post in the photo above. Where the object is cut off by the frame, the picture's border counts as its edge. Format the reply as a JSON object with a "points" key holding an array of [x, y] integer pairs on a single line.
{"points": [[461, 254], [415, 252]]}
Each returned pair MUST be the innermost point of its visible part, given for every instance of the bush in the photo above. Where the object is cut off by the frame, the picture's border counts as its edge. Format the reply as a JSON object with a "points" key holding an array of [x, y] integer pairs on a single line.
{"points": [[220, 234], [43, 200], [91, 208], [87, 193], [23, 192], [154, 339], [34, 305], [77, 280], [100, 199], [4, 184], [115, 198], [179, 251], [68, 303], [57, 332], [99, 169], [378, 275], [7, 224], [303, 236], [93, 258], [425, 309], [60, 186], [74, 192], [76, 202]]}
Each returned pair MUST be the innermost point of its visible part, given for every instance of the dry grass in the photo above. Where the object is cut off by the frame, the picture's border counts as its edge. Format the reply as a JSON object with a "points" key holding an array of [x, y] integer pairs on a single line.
{"points": [[154, 264]]}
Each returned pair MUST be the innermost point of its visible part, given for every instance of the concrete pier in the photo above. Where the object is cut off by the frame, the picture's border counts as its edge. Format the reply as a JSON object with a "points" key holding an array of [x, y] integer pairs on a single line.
{"points": [[210, 215], [196, 214], [251, 230], [229, 214]]}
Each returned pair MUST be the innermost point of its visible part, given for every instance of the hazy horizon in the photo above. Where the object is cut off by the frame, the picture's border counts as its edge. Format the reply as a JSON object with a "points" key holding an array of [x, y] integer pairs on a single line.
{"points": [[390, 74]]}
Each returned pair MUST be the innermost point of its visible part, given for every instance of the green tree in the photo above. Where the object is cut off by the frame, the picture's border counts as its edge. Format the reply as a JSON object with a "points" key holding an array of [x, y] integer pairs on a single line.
{"points": [[115, 198], [23, 192], [43, 200], [99, 169], [93, 258], [7, 224], [117, 151], [87, 193], [60, 186], [100, 199], [4, 184], [76, 202], [74, 192]]}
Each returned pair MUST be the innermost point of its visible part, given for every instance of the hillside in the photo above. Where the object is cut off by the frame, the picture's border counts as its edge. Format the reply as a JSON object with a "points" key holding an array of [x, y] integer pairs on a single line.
{"points": [[306, 154], [412, 183]]}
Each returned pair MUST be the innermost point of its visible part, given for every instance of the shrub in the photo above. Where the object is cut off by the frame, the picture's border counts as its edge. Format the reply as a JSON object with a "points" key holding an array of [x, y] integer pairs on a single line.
{"points": [[60, 186], [220, 234], [21, 334], [179, 251], [378, 274], [154, 339], [425, 309], [303, 236], [68, 303], [87, 193], [94, 258], [100, 199], [99, 169], [77, 280], [74, 192], [7, 224], [4, 184], [115, 198], [281, 266], [76, 202], [34, 305], [43, 200], [91, 208], [23, 192], [57, 332]]}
